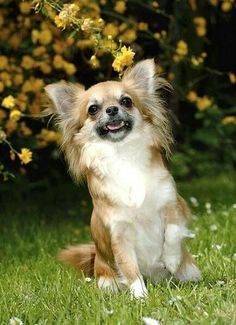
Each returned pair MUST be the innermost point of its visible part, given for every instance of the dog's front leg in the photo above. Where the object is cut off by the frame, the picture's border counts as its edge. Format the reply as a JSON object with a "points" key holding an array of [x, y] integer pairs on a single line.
{"points": [[126, 262]]}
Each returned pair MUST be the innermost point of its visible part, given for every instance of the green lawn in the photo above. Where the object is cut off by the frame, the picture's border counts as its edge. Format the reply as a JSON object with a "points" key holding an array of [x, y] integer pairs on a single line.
{"points": [[36, 288]]}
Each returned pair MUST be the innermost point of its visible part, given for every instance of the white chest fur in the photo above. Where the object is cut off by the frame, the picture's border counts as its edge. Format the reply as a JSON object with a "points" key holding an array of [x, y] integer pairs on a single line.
{"points": [[139, 192]]}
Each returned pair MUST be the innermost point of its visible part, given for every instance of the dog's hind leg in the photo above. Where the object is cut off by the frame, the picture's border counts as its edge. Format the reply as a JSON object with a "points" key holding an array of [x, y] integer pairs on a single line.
{"points": [[188, 271], [107, 278]]}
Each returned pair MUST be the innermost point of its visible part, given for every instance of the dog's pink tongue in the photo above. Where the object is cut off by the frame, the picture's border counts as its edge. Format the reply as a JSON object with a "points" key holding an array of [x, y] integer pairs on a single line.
{"points": [[115, 125]]}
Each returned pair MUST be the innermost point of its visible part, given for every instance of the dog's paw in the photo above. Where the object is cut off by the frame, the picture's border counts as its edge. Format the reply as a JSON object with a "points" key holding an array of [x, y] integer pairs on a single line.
{"points": [[108, 284], [138, 289], [172, 262]]}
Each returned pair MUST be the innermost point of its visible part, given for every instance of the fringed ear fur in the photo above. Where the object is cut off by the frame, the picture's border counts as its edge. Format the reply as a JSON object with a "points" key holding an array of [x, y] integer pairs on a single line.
{"points": [[143, 77], [143, 80], [62, 95]]}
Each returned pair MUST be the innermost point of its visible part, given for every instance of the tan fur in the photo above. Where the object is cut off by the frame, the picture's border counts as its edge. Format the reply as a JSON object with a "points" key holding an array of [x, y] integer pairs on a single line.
{"points": [[113, 254], [80, 257], [177, 213]]}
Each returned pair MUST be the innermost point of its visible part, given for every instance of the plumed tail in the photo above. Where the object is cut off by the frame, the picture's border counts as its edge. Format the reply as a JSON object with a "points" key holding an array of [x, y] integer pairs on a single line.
{"points": [[80, 257]]}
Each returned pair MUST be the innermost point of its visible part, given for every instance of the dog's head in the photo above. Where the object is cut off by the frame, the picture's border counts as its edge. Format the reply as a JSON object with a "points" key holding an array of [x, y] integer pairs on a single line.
{"points": [[113, 111]]}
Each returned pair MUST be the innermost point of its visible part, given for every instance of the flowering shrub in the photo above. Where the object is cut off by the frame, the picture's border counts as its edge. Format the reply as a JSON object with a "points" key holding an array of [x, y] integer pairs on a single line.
{"points": [[89, 41]]}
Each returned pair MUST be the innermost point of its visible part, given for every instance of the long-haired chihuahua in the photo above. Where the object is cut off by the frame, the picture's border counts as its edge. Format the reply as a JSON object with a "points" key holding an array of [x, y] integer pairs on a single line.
{"points": [[115, 135]]}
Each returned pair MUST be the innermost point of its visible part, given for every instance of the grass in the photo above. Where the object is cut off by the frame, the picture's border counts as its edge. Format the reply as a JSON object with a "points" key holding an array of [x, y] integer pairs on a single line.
{"points": [[36, 288]]}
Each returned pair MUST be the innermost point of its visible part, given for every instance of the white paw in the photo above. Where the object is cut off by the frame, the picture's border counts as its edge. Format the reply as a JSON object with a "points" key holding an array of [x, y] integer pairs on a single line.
{"points": [[108, 284], [172, 262], [138, 289]]}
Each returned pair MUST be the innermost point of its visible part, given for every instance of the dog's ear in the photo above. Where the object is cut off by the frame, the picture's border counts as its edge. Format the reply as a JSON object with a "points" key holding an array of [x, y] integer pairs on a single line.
{"points": [[142, 76], [63, 95]]}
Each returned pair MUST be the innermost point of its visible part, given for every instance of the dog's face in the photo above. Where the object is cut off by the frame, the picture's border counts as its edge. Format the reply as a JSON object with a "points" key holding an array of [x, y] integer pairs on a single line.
{"points": [[110, 111]]}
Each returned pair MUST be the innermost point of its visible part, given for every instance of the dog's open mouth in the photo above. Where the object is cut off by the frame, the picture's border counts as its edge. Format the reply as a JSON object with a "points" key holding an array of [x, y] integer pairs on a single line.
{"points": [[115, 129], [115, 126]]}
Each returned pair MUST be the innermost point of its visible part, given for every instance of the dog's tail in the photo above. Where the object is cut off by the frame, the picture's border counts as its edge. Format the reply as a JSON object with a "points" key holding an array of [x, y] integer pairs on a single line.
{"points": [[80, 257]]}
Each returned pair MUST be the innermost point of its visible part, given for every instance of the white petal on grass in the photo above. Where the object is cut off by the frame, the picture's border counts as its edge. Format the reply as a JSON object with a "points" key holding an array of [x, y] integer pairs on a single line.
{"points": [[194, 201], [173, 300], [15, 321], [88, 279], [216, 246], [208, 205], [225, 213], [213, 227], [220, 283], [109, 312], [150, 321], [234, 206]]}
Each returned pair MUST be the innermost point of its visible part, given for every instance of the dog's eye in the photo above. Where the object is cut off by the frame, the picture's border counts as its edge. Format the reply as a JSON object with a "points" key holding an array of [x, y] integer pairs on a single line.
{"points": [[93, 109], [126, 101]]}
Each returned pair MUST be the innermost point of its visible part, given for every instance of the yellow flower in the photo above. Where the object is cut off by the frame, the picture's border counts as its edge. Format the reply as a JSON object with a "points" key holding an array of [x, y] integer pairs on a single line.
{"points": [[25, 7], [3, 62], [155, 4], [128, 36], [6, 78], [200, 25], [58, 61], [197, 60], [203, 103], [182, 48], [84, 43], [232, 77], [47, 136], [69, 68], [86, 25], [143, 26], [214, 2], [45, 68], [27, 62], [192, 96], [18, 79], [39, 51], [25, 130], [59, 22], [171, 76], [35, 35], [94, 62], [8, 102], [2, 114], [45, 37], [3, 135], [110, 29], [67, 15], [229, 120], [15, 115], [12, 155], [10, 127], [123, 58], [226, 6], [120, 7], [1, 86], [157, 36], [25, 156]]}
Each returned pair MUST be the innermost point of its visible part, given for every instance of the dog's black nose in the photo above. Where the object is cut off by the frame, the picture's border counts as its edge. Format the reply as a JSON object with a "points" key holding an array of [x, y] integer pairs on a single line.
{"points": [[112, 110]]}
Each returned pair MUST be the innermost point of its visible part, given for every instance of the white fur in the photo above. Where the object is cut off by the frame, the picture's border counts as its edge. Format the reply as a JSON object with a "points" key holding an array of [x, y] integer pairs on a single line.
{"points": [[190, 273], [172, 251], [138, 289], [139, 193], [108, 284]]}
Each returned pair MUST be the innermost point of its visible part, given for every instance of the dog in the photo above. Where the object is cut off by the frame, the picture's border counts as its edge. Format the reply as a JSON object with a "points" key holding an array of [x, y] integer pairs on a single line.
{"points": [[116, 135]]}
